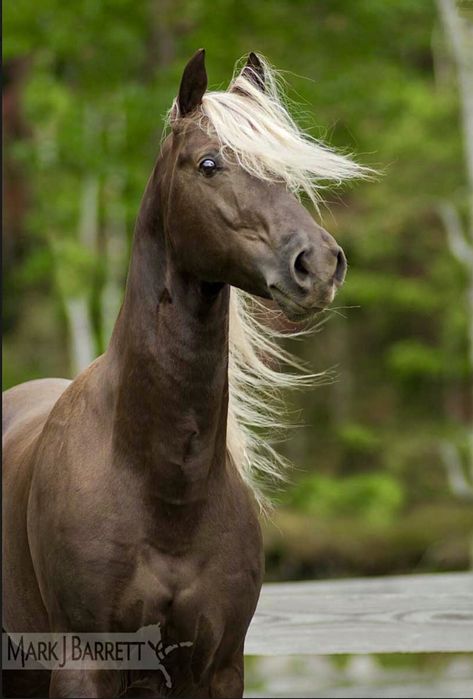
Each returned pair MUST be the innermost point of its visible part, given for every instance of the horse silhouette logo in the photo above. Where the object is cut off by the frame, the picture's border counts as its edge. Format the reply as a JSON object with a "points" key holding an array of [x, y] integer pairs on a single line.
{"points": [[154, 638]]}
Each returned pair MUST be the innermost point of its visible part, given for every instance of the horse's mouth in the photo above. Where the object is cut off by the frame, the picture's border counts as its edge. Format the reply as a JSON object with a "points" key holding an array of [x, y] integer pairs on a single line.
{"points": [[293, 310]]}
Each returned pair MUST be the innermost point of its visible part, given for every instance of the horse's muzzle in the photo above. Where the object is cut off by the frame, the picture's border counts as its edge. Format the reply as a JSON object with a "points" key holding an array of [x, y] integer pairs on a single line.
{"points": [[309, 282]]}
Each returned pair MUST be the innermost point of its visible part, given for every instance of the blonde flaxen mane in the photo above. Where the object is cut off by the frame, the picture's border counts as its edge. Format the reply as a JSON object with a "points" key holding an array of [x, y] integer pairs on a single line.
{"points": [[255, 127]]}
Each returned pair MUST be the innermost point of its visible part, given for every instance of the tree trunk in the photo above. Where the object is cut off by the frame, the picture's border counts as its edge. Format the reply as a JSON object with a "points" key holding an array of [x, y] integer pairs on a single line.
{"points": [[77, 306], [459, 32]]}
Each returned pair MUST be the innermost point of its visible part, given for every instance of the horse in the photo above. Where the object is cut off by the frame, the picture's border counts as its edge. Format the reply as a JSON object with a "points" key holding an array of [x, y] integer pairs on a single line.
{"points": [[130, 493]]}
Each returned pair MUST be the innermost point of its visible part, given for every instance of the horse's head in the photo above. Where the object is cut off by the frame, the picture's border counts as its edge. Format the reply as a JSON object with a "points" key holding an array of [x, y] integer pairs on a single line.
{"points": [[235, 162]]}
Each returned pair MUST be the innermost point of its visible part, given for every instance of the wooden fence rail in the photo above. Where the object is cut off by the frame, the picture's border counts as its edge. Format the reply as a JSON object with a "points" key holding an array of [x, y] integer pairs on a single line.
{"points": [[409, 614]]}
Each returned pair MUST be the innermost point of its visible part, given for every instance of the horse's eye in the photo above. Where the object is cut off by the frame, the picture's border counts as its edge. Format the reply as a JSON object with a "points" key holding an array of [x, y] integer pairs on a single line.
{"points": [[208, 167]]}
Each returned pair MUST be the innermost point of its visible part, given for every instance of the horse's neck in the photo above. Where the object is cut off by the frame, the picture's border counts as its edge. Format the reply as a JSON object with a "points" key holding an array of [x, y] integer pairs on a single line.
{"points": [[169, 358]]}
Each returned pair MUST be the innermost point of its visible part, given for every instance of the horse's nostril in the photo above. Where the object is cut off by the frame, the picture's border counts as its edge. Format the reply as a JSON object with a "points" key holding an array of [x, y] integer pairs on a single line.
{"points": [[341, 267], [300, 264]]}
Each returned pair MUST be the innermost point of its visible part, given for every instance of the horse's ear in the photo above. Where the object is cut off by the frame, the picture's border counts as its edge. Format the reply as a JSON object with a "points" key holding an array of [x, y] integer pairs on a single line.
{"points": [[193, 84], [254, 70]]}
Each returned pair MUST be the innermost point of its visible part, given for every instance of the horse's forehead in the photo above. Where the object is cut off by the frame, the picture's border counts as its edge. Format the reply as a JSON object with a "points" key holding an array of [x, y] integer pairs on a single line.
{"points": [[193, 137]]}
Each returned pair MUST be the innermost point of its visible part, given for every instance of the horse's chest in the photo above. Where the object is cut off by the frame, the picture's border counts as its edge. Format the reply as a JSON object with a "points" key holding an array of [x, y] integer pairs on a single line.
{"points": [[170, 585], [206, 595]]}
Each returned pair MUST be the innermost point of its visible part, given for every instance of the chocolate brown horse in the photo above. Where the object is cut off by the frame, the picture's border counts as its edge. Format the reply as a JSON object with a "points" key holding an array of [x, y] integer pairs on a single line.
{"points": [[126, 493]]}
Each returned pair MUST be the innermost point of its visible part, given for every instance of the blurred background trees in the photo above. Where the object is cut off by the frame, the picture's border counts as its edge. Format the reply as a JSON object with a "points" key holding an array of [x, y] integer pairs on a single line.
{"points": [[86, 87]]}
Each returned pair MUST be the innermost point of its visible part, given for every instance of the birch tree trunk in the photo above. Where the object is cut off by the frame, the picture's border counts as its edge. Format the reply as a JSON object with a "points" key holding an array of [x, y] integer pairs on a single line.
{"points": [[77, 305], [76, 302], [459, 32], [115, 234]]}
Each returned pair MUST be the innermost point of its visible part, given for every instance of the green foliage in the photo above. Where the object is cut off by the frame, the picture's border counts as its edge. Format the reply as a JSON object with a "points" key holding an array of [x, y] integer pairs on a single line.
{"points": [[374, 498], [74, 267], [410, 358], [359, 438], [372, 78], [392, 293]]}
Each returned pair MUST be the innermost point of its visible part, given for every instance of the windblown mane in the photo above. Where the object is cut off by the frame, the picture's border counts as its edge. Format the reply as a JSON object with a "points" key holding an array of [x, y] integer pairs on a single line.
{"points": [[256, 128]]}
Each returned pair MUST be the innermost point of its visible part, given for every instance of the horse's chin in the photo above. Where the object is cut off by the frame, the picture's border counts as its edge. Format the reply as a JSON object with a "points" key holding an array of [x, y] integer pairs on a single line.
{"points": [[294, 311], [297, 317]]}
